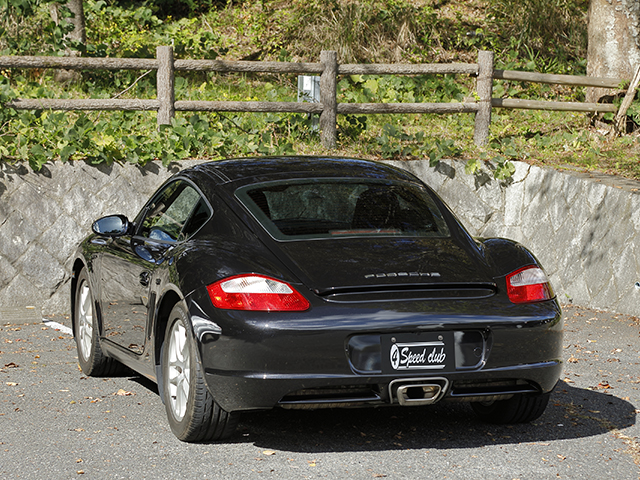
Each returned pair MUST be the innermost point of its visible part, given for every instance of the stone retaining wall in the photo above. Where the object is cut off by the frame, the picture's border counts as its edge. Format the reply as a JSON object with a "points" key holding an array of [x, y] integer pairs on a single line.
{"points": [[586, 233]]}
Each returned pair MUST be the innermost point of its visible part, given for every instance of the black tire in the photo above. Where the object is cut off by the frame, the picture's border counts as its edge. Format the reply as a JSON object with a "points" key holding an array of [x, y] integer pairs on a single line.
{"points": [[517, 409], [92, 360], [193, 414]]}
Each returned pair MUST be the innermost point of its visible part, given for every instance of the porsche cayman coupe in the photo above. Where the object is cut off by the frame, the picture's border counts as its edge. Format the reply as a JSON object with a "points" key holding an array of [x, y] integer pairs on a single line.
{"points": [[312, 283]]}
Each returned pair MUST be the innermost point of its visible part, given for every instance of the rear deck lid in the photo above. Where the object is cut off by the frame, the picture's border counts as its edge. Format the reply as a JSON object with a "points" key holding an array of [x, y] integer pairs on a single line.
{"points": [[363, 239], [388, 269]]}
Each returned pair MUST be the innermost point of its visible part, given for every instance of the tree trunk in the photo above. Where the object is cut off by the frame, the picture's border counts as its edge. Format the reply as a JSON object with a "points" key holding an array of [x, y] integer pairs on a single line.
{"points": [[78, 34], [614, 41]]}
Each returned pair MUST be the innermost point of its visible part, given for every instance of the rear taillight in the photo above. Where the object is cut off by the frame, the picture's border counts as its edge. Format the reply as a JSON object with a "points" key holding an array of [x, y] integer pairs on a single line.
{"points": [[256, 292], [528, 284]]}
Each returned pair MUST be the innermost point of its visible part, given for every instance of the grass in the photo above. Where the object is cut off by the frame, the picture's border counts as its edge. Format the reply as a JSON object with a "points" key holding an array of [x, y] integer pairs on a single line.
{"points": [[532, 35]]}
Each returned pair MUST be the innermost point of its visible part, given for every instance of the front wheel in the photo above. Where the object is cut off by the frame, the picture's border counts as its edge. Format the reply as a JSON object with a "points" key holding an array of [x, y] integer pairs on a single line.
{"points": [[92, 360], [193, 414], [517, 409]]}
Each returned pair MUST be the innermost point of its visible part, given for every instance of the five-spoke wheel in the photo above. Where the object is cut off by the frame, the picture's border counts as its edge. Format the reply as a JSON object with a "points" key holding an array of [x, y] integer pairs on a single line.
{"points": [[194, 416]]}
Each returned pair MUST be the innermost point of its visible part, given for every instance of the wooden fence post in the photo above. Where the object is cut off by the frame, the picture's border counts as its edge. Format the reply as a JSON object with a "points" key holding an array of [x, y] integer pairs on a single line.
{"points": [[328, 87], [484, 88], [165, 85]]}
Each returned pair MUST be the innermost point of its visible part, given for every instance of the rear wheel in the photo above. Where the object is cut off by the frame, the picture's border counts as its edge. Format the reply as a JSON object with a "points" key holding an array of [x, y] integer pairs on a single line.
{"points": [[193, 414], [517, 409], [92, 360]]}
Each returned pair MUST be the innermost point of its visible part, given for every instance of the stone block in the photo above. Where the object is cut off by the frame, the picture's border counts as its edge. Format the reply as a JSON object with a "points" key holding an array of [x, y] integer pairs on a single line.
{"points": [[423, 171], [15, 235], [35, 207], [20, 292], [94, 177], [607, 298], [600, 274], [42, 270], [512, 233], [62, 238], [635, 212], [146, 180], [583, 295], [626, 266], [81, 204], [7, 272], [59, 302], [6, 208], [467, 206], [514, 204], [575, 292], [11, 178], [594, 194], [54, 180], [119, 197], [571, 187], [522, 171], [629, 301], [532, 219], [537, 184]]}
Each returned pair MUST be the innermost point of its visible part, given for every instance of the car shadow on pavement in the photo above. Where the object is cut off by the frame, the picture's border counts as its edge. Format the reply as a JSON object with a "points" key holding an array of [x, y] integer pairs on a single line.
{"points": [[144, 382], [572, 413]]}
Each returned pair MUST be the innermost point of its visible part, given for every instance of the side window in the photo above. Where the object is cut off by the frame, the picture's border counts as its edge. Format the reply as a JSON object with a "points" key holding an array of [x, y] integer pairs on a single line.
{"points": [[175, 213]]}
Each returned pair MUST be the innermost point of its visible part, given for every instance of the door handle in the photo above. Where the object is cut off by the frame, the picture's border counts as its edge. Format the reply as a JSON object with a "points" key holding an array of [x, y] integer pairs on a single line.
{"points": [[144, 279]]}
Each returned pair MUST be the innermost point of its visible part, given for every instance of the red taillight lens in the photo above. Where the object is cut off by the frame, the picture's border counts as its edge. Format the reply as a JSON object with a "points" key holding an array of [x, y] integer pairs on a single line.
{"points": [[527, 285], [256, 292]]}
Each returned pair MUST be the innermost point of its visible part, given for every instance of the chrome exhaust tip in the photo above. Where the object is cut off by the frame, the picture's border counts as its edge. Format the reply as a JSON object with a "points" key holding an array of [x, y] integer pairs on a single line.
{"points": [[416, 392]]}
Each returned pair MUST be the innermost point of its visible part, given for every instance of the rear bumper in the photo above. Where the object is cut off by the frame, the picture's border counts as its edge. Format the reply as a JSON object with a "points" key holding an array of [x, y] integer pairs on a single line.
{"points": [[308, 360], [265, 391]]}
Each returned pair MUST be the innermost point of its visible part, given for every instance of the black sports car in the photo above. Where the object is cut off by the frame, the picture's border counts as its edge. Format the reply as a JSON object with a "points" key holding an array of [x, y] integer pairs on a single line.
{"points": [[307, 283]]}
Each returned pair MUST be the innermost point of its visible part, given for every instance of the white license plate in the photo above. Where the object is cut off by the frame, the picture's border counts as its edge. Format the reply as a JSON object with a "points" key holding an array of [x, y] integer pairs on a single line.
{"points": [[418, 352]]}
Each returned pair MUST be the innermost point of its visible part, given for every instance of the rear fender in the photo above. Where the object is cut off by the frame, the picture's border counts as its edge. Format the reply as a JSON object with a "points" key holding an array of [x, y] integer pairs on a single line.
{"points": [[504, 256]]}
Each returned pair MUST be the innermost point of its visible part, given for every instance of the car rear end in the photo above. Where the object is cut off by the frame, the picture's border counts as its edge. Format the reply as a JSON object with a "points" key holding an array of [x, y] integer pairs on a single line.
{"points": [[385, 300]]}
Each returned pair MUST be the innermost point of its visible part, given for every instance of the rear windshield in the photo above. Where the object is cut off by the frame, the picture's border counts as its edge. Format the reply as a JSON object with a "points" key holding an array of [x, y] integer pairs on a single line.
{"points": [[329, 208]]}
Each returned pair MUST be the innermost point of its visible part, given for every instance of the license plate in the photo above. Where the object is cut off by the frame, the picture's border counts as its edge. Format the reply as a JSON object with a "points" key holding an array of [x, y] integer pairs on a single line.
{"points": [[422, 352]]}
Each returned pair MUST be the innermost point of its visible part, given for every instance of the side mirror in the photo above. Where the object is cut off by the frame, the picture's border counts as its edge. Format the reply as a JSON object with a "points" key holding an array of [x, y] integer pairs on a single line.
{"points": [[111, 226]]}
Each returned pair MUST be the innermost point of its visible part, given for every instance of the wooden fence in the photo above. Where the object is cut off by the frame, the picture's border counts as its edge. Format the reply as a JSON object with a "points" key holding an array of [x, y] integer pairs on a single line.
{"points": [[328, 68]]}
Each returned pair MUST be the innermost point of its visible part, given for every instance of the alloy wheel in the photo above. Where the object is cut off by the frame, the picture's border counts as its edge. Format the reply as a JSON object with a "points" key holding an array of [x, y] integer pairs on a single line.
{"points": [[179, 370], [85, 321]]}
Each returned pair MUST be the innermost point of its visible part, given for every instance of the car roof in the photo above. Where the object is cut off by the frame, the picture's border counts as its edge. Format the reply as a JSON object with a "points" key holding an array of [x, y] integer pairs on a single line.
{"points": [[245, 171]]}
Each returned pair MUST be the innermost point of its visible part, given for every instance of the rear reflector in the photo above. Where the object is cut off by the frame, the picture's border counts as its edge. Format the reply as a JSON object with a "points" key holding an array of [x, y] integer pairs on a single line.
{"points": [[528, 284], [256, 292]]}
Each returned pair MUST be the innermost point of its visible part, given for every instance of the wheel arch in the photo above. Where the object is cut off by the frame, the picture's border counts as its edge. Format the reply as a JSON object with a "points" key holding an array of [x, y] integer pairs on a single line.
{"points": [[169, 300]]}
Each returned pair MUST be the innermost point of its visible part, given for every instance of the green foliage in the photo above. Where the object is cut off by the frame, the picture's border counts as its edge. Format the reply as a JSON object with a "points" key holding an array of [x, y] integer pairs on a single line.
{"points": [[351, 126], [503, 169], [135, 32], [42, 136], [397, 89], [548, 34], [395, 143], [26, 28], [526, 35], [183, 8]]}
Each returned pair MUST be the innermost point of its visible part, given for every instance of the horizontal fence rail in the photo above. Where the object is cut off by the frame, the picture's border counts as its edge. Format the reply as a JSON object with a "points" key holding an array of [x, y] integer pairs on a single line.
{"points": [[557, 106], [328, 108]]}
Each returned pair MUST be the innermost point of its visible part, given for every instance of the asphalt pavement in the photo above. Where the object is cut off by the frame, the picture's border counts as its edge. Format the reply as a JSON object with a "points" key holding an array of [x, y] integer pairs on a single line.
{"points": [[57, 423]]}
